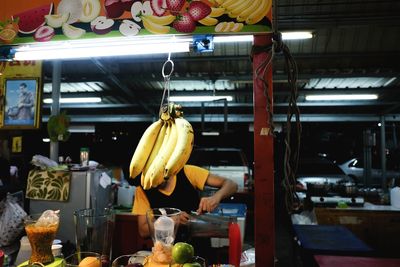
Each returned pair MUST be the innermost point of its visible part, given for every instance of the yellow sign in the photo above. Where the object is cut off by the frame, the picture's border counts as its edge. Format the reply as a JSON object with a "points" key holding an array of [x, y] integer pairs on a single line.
{"points": [[16, 144]]}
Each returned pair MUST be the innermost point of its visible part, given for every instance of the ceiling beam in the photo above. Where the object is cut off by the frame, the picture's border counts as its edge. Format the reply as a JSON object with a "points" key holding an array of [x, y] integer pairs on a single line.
{"points": [[236, 118]]}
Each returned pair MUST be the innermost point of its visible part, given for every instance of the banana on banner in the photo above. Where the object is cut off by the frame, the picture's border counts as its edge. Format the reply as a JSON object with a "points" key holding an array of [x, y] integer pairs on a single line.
{"points": [[163, 149]]}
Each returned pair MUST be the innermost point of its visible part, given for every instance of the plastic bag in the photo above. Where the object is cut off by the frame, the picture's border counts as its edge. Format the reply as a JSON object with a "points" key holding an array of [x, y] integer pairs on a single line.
{"points": [[11, 221]]}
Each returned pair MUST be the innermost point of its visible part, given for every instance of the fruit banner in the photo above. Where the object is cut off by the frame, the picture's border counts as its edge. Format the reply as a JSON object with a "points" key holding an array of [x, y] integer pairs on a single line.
{"points": [[23, 21], [18, 71]]}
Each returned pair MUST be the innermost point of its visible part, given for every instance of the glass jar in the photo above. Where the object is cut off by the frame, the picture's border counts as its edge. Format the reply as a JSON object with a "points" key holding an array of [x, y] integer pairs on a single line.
{"points": [[84, 156]]}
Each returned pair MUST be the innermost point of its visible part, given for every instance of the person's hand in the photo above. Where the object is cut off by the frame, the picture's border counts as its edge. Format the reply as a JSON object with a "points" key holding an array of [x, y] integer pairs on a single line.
{"points": [[184, 218], [208, 204]]}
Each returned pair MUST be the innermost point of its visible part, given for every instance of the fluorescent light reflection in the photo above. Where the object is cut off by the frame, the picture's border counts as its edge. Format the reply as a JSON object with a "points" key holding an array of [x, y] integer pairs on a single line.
{"points": [[341, 97], [101, 48], [296, 35], [74, 100], [199, 98]]}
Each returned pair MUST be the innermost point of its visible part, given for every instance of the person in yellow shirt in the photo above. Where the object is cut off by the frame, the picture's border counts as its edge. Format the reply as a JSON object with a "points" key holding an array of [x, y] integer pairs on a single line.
{"points": [[182, 192]]}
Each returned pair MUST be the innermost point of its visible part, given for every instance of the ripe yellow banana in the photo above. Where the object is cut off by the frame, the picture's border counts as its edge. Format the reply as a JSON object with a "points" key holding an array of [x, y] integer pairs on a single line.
{"points": [[183, 148], [217, 12], [260, 13], [156, 170], [156, 147], [147, 182], [245, 13], [164, 20], [144, 148], [154, 27], [208, 21]]}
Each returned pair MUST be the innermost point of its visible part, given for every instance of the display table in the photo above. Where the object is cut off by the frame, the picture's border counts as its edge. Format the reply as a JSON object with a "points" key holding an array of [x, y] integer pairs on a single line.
{"points": [[346, 261], [376, 225], [327, 240], [330, 240]]}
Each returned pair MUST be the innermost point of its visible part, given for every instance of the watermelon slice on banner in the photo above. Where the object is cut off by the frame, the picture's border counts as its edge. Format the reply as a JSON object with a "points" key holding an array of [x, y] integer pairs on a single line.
{"points": [[30, 20]]}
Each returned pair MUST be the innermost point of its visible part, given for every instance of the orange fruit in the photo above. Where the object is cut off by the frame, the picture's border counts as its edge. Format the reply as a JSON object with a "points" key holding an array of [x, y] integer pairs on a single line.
{"points": [[90, 262], [7, 36]]}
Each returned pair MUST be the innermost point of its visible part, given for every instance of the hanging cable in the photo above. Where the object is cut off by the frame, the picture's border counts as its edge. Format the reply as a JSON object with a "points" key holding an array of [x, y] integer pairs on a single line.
{"points": [[293, 124]]}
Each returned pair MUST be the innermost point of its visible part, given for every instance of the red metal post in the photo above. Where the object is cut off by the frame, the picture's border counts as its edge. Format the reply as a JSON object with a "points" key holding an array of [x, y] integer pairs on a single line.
{"points": [[263, 163]]}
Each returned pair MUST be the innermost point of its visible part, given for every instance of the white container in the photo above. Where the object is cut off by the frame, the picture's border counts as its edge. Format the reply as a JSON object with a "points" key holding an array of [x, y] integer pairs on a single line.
{"points": [[395, 197], [125, 195]]}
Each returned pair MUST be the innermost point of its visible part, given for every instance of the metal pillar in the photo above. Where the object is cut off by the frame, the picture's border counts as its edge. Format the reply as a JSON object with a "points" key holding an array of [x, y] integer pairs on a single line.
{"points": [[55, 106], [394, 133], [264, 228], [383, 153], [369, 142]]}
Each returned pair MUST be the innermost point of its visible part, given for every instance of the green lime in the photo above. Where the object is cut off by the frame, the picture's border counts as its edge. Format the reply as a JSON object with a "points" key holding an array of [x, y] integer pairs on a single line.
{"points": [[182, 252], [192, 264]]}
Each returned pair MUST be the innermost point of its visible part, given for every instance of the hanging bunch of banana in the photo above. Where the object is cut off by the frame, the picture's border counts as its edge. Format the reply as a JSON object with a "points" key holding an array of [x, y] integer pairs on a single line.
{"points": [[163, 149]]}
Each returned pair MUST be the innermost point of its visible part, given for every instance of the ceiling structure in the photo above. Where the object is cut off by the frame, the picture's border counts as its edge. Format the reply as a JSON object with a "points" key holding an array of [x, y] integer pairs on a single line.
{"points": [[354, 49]]}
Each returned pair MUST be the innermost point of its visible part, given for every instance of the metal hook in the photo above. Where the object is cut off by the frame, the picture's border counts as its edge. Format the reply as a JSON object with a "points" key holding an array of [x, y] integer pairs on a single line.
{"points": [[164, 66]]}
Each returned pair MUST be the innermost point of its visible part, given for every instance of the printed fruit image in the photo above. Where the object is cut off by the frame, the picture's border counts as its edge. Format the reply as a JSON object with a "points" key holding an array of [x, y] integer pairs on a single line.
{"points": [[44, 34], [146, 9], [30, 20], [72, 32], [175, 6], [159, 6], [184, 23], [90, 10], [7, 36], [182, 252], [250, 12], [115, 8], [72, 8], [10, 24], [101, 25], [56, 21], [129, 28], [198, 10], [136, 11]]}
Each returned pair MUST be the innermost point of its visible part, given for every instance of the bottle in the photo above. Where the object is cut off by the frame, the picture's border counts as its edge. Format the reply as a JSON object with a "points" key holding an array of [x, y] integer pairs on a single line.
{"points": [[84, 156], [235, 244]]}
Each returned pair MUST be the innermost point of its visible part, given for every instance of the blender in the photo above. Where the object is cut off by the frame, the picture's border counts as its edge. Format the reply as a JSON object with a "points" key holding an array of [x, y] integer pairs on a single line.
{"points": [[163, 224]]}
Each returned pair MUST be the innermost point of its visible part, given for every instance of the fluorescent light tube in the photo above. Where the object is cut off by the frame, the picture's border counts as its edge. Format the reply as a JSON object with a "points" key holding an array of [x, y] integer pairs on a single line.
{"points": [[198, 98], [101, 48], [233, 38], [296, 35], [341, 97], [210, 133], [75, 100]]}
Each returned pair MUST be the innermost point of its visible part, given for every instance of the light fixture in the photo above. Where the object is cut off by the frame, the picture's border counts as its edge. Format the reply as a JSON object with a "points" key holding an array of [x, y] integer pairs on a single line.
{"points": [[199, 98], [329, 97], [102, 48], [300, 35], [233, 38], [82, 129], [46, 140], [75, 100], [210, 133]]}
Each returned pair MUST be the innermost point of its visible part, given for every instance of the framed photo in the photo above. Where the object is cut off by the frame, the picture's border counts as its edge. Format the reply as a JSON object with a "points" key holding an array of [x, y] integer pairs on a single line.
{"points": [[22, 103]]}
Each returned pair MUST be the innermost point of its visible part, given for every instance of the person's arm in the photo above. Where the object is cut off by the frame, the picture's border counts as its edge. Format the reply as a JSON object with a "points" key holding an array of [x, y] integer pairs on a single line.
{"points": [[143, 228], [226, 187]]}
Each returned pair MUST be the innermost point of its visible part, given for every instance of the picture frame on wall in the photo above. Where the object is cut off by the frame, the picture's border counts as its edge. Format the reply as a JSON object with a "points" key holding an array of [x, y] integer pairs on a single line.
{"points": [[22, 98]]}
